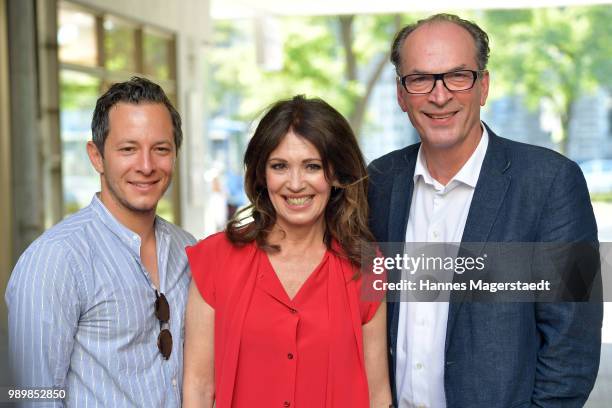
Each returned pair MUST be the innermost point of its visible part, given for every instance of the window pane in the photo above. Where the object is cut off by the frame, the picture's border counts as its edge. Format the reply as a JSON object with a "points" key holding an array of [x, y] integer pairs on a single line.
{"points": [[119, 45], [78, 95], [158, 55], [76, 36]]}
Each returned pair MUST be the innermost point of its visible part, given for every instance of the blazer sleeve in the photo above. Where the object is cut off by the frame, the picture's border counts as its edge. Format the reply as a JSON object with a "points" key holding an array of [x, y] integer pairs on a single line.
{"points": [[569, 332]]}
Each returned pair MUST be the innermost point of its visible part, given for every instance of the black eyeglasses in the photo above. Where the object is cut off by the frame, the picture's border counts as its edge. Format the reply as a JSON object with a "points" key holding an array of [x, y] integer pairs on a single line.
{"points": [[162, 312], [420, 84]]}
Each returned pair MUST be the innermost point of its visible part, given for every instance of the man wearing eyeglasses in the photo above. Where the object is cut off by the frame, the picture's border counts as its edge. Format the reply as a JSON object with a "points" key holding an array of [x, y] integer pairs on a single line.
{"points": [[96, 303], [463, 183]]}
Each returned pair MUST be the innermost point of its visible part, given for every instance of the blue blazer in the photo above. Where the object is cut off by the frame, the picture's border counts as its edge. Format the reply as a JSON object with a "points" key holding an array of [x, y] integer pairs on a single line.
{"points": [[505, 354]]}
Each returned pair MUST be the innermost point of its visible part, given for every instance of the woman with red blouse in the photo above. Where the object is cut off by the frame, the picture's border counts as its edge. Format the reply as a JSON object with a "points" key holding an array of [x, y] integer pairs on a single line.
{"points": [[275, 316]]}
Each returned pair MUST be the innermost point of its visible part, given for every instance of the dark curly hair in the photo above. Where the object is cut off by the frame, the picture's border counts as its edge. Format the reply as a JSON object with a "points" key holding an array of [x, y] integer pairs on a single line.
{"points": [[346, 213]]}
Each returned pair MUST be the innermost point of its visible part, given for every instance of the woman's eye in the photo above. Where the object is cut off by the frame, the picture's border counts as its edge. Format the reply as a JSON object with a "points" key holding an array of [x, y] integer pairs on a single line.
{"points": [[277, 166], [313, 166]]}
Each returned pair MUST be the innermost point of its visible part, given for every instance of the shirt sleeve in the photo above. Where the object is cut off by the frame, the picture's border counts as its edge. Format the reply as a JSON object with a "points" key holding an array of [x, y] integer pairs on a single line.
{"points": [[202, 263], [43, 313]]}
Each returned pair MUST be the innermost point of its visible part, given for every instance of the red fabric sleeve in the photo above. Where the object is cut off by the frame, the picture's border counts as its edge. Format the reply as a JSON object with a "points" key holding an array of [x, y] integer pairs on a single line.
{"points": [[370, 292], [368, 310], [369, 299], [202, 261]]}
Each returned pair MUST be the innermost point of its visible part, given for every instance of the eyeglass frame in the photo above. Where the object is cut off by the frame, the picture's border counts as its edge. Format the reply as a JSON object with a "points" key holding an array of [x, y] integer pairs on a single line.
{"points": [[164, 326], [475, 75]]}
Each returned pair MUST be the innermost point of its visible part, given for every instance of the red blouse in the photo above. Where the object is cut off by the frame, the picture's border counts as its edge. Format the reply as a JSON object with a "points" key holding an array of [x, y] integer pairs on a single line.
{"points": [[272, 351]]}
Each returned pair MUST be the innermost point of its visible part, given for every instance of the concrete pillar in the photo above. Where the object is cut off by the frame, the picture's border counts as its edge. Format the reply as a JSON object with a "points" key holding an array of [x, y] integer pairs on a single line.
{"points": [[26, 149], [48, 69], [6, 241]]}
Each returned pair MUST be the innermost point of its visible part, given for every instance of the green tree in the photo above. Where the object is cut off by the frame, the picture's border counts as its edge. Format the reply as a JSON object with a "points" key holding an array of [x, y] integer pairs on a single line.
{"points": [[553, 54], [337, 58]]}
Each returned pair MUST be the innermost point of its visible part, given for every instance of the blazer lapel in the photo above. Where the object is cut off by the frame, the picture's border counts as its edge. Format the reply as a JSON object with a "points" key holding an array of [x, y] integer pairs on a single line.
{"points": [[399, 205], [488, 197], [399, 208]]}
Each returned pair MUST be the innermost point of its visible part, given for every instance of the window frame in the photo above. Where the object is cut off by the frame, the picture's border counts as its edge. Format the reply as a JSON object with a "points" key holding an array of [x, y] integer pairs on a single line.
{"points": [[107, 77]]}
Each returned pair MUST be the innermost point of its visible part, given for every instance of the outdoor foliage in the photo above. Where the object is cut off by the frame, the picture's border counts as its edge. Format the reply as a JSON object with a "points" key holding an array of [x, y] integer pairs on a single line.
{"points": [[549, 56], [336, 58], [552, 56]]}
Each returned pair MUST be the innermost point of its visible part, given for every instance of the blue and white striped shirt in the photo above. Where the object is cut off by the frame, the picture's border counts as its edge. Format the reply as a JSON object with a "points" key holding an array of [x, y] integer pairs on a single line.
{"points": [[81, 313]]}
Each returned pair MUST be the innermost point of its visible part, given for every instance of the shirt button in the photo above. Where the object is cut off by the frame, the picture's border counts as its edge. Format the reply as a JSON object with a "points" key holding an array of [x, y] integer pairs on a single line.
{"points": [[174, 382], [286, 404], [435, 234], [293, 311], [290, 356], [419, 366]]}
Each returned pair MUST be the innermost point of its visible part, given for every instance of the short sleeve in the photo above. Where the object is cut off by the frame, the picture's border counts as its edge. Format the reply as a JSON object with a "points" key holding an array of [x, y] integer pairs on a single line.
{"points": [[368, 310], [371, 292], [202, 262], [369, 297]]}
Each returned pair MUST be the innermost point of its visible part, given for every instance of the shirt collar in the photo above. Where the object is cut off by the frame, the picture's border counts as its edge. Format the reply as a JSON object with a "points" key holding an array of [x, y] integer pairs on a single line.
{"points": [[126, 235], [468, 174]]}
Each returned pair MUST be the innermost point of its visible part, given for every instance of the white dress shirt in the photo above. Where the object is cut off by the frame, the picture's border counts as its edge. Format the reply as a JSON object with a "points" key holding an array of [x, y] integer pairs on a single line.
{"points": [[438, 213]]}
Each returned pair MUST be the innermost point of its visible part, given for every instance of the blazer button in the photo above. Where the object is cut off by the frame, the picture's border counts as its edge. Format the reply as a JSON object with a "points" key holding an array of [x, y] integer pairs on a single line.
{"points": [[286, 404], [290, 356]]}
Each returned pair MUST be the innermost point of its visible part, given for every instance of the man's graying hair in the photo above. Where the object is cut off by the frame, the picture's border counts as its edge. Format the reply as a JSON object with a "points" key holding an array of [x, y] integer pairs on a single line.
{"points": [[481, 39], [136, 90]]}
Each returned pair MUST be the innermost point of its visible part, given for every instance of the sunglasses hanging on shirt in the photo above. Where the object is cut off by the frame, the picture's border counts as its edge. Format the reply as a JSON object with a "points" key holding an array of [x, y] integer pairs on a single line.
{"points": [[162, 312]]}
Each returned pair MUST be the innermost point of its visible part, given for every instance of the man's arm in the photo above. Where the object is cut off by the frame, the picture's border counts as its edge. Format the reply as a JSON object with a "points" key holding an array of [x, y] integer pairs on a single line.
{"points": [[570, 332], [44, 309]]}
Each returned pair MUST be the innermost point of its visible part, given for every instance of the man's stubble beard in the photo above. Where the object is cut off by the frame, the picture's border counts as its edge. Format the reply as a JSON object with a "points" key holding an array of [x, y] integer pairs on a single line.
{"points": [[124, 203]]}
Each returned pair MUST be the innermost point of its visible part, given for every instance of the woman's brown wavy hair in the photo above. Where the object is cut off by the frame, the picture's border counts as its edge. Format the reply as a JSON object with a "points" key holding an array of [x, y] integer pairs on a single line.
{"points": [[346, 213]]}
